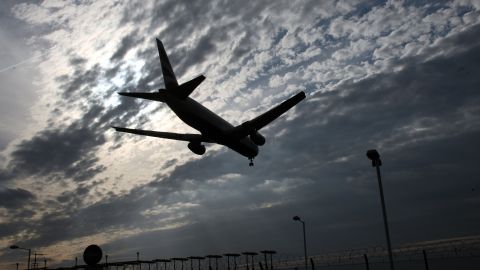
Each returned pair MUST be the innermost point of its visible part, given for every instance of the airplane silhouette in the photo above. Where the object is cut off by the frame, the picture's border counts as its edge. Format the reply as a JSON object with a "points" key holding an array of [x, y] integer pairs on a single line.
{"points": [[243, 139]]}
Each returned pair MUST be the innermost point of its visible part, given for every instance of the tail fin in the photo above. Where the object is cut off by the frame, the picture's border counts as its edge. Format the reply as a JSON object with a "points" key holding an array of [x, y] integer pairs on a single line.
{"points": [[168, 75]]}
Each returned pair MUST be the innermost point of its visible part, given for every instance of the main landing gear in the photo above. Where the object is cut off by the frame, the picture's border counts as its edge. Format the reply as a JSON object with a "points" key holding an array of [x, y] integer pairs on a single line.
{"points": [[251, 162]]}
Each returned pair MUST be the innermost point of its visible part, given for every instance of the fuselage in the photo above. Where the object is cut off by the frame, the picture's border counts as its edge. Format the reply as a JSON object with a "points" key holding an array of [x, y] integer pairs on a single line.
{"points": [[211, 125]]}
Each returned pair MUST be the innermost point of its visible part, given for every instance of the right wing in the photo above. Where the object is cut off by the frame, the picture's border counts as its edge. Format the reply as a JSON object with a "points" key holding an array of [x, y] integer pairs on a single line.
{"points": [[266, 118], [166, 135]]}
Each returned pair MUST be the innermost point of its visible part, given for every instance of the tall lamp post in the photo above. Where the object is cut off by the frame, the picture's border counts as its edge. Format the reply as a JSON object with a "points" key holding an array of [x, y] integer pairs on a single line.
{"points": [[29, 253], [374, 156], [297, 218]]}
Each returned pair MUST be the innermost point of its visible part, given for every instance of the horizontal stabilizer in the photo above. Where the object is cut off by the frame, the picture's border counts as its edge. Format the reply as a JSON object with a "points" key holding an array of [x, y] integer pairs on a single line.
{"points": [[266, 118], [166, 135], [157, 96], [185, 89]]}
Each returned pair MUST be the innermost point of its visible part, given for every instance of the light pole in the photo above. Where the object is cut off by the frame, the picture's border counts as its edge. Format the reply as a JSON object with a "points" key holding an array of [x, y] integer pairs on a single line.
{"points": [[374, 156], [297, 218], [29, 253]]}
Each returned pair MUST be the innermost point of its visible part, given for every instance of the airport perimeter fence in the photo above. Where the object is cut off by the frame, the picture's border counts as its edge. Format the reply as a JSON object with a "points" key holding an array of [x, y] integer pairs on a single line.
{"points": [[452, 254], [458, 254]]}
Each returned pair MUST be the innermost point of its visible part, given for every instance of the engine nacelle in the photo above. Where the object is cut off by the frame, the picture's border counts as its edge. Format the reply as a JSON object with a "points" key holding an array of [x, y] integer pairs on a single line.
{"points": [[196, 148], [257, 138]]}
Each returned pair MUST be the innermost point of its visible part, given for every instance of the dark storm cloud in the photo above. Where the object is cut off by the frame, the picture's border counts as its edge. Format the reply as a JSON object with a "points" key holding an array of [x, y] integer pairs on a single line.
{"points": [[7, 229], [69, 150], [13, 198]]}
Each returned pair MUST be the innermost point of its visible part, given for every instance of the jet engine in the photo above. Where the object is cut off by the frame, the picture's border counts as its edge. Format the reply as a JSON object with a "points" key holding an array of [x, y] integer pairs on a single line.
{"points": [[257, 138], [196, 148]]}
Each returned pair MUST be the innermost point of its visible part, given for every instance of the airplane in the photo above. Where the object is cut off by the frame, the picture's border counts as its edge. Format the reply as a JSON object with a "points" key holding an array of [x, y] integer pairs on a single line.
{"points": [[243, 139]]}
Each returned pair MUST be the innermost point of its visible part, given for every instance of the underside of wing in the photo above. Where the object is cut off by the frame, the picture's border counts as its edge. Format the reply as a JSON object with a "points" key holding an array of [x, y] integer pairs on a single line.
{"points": [[166, 135]]}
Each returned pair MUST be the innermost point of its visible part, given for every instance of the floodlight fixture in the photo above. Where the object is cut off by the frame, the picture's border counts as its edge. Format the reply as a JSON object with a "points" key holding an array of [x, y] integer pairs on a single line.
{"points": [[374, 156]]}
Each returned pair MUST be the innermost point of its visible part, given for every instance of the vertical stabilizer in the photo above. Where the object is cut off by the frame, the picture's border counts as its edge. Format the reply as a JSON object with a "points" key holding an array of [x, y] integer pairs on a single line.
{"points": [[168, 75]]}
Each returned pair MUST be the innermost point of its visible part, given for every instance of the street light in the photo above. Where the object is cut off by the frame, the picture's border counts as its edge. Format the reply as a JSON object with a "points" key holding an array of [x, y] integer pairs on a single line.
{"points": [[297, 218], [29, 253], [374, 156]]}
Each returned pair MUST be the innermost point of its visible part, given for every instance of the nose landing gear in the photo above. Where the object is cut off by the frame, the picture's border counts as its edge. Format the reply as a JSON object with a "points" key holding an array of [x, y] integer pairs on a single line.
{"points": [[251, 162]]}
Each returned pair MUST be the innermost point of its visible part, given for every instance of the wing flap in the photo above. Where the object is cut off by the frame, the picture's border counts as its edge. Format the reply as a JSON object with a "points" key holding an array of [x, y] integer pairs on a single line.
{"points": [[166, 135]]}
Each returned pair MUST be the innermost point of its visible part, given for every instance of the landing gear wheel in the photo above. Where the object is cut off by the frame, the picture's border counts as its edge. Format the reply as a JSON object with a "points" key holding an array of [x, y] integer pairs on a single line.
{"points": [[251, 162]]}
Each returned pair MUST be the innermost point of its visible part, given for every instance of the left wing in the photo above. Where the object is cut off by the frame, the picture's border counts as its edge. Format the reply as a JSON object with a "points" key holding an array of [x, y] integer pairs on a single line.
{"points": [[156, 96], [166, 135]]}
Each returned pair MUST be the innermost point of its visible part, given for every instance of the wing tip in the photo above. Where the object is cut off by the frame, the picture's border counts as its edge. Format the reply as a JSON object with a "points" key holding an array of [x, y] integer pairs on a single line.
{"points": [[302, 94]]}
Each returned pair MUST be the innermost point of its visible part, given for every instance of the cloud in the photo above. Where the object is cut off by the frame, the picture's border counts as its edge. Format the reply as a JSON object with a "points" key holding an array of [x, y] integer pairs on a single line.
{"points": [[13, 198], [70, 152], [373, 81], [127, 43], [392, 111]]}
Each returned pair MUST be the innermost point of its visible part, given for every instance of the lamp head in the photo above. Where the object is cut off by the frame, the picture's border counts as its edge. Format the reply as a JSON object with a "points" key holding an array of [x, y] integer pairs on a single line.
{"points": [[296, 218], [374, 156]]}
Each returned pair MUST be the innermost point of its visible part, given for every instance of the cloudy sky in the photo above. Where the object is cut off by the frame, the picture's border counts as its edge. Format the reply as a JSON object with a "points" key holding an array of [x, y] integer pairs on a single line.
{"points": [[398, 76]]}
